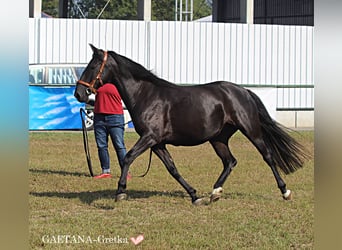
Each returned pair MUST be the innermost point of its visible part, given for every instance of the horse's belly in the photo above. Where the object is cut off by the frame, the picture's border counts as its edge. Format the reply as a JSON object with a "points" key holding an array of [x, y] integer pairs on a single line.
{"points": [[192, 136]]}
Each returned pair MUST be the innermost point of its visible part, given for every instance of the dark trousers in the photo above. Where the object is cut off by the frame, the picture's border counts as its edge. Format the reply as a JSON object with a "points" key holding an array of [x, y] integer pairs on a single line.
{"points": [[112, 126]]}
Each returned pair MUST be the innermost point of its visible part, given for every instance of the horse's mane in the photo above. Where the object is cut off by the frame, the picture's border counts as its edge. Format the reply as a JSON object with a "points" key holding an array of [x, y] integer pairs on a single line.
{"points": [[138, 71]]}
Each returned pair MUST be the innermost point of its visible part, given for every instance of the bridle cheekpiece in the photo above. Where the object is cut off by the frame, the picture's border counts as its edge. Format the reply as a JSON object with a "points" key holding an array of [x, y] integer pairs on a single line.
{"points": [[98, 76]]}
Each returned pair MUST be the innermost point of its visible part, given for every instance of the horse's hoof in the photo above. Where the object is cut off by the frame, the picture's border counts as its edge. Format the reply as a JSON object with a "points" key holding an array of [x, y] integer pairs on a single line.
{"points": [[215, 197], [121, 197], [216, 194], [198, 202], [288, 195]]}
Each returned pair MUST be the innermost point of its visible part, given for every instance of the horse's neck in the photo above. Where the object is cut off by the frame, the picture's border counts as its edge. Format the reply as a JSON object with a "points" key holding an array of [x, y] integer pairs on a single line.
{"points": [[132, 92]]}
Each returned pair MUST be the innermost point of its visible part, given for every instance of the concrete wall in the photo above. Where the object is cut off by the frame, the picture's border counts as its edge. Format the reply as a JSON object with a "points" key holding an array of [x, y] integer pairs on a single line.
{"points": [[296, 119]]}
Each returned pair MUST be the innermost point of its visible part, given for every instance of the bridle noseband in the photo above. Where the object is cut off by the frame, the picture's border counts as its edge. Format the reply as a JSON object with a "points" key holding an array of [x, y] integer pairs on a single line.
{"points": [[98, 76]]}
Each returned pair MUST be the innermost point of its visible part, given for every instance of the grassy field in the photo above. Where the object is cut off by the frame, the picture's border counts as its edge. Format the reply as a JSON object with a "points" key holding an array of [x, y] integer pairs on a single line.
{"points": [[70, 210]]}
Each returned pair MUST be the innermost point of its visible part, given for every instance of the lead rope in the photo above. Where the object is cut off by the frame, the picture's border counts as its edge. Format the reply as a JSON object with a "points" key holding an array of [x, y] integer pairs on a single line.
{"points": [[86, 146], [85, 141]]}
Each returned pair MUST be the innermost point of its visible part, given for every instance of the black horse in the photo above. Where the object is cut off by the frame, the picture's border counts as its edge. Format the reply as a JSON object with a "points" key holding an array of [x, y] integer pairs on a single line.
{"points": [[166, 113]]}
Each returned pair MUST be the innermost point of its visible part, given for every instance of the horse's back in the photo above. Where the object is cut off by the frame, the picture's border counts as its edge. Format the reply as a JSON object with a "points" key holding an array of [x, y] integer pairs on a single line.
{"points": [[230, 95], [196, 113]]}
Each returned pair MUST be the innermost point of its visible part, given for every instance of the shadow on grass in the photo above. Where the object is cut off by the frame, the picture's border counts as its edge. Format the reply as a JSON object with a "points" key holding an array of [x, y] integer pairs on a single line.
{"points": [[59, 172], [245, 196], [89, 197]]}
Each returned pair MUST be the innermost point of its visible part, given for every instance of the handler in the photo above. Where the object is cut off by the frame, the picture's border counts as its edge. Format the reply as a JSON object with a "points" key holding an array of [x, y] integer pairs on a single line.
{"points": [[109, 121]]}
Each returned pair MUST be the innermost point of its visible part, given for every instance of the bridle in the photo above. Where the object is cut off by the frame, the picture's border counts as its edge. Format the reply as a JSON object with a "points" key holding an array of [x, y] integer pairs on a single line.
{"points": [[97, 78]]}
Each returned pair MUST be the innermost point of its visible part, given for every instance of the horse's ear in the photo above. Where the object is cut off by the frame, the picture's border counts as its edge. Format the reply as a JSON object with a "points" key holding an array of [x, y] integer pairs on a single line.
{"points": [[94, 49]]}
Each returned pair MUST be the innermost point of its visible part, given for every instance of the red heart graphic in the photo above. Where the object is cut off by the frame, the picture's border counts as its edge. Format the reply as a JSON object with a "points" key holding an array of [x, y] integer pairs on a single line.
{"points": [[138, 239]]}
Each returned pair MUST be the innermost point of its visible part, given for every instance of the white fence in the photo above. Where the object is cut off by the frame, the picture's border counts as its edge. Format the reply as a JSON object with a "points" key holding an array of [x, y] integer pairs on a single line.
{"points": [[274, 56]]}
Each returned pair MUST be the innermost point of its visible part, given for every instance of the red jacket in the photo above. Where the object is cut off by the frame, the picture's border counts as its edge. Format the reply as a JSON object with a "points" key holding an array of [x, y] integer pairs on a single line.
{"points": [[108, 100]]}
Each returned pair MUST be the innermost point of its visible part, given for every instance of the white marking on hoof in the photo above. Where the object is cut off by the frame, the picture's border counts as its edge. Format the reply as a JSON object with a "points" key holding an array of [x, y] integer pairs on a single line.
{"points": [[198, 202], [218, 190], [287, 195], [216, 194], [121, 197]]}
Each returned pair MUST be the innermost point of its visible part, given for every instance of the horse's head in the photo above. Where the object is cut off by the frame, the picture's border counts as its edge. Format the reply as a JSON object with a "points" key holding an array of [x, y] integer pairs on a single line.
{"points": [[95, 74]]}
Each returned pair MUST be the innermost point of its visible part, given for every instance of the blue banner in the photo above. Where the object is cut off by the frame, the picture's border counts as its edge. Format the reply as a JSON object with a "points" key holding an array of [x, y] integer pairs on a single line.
{"points": [[53, 108]]}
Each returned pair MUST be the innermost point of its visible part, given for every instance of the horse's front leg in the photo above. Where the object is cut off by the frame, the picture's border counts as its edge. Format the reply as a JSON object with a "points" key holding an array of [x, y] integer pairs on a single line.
{"points": [[140, 147], [164, 155]]}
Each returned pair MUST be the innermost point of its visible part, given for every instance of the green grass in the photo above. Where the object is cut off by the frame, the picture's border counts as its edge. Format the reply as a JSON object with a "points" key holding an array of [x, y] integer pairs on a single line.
{"points": [[251, 214]]}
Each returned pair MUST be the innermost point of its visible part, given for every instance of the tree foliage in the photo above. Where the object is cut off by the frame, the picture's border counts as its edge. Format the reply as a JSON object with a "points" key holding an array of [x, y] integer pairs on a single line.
{"points": [[116, 9], [123, 9], [50, 7]]}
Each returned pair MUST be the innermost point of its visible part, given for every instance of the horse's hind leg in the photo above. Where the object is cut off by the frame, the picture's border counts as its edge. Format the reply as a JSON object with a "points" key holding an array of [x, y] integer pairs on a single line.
{"points": [[164, 155], [259, 143], [220, 145], [267, 156]]}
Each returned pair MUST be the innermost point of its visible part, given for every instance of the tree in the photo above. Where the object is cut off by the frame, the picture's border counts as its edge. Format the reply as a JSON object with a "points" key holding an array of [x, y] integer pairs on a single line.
{"points": [[50, 7], [122, 9], [165, 9], [104, 9], [162, 10], [201, 9]]}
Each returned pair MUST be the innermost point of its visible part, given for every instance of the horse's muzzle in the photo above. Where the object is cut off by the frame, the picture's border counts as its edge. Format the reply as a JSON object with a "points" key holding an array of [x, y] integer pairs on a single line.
{"points": [[81, 98]]}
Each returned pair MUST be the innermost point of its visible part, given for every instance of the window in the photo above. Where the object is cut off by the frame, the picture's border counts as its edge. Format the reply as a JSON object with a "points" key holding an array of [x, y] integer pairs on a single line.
{"points": [[58, 74], [36, 75], [61, 75], [79, 71]]}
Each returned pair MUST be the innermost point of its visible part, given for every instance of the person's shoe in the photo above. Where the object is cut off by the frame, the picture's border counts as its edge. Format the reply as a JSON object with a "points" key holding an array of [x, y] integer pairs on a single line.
{"points": [[104, 175]]}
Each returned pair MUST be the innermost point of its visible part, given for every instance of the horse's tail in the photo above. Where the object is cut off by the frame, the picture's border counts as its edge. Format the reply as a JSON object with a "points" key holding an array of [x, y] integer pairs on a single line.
{"points": [[287, 153]]}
